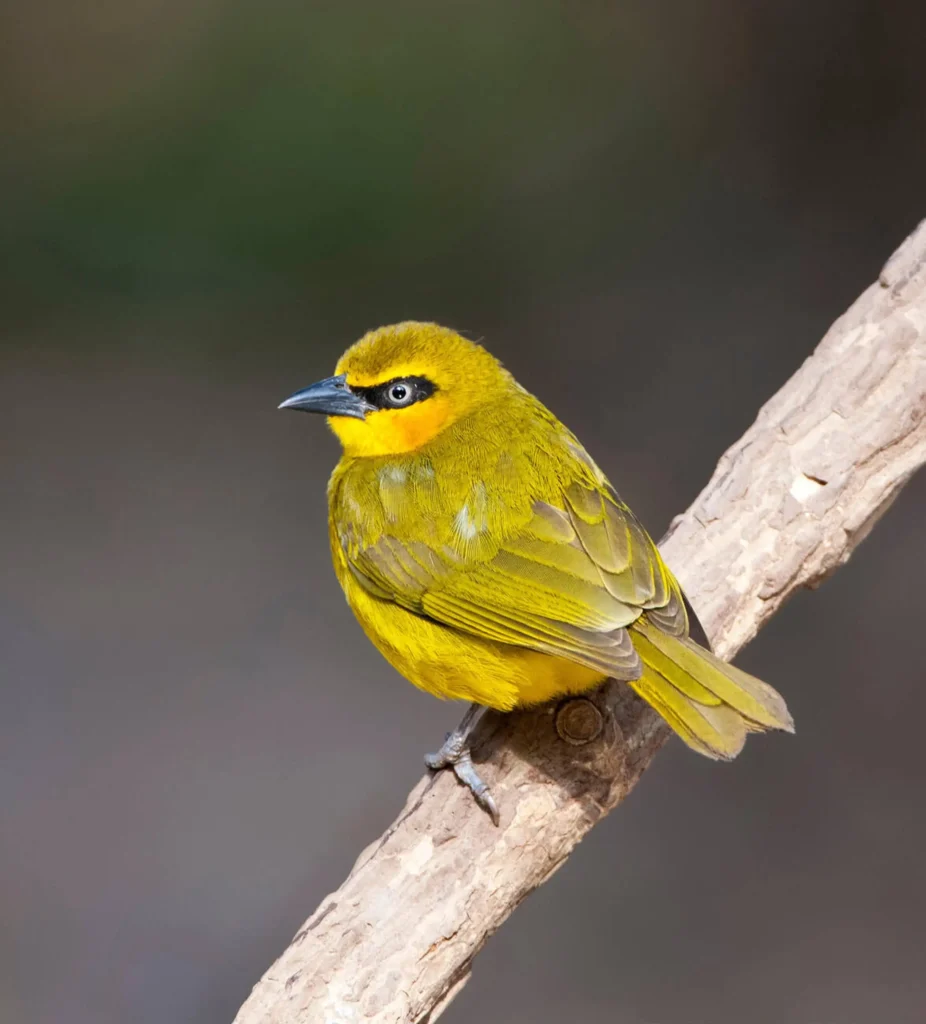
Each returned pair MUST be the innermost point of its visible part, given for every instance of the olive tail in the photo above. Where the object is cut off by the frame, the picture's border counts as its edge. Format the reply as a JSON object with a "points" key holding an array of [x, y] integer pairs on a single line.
{"points": [[712, 705]]}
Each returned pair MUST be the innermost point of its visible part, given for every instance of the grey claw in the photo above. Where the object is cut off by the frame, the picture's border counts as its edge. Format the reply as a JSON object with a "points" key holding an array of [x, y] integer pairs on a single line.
{"points": [[465, 771]]}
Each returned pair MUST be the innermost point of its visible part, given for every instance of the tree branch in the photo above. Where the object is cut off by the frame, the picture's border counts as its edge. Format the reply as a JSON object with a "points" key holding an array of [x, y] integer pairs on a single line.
{"points": [[786, 506]]}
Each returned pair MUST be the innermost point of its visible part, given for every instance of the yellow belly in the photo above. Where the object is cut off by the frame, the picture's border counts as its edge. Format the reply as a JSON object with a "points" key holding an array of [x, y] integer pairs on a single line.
{"points": [[456, 665]]}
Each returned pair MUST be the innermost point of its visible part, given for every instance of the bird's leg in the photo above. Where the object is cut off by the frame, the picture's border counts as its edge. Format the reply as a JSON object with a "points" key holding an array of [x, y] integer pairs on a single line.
{"points": [[455, 743], [455, 754]]}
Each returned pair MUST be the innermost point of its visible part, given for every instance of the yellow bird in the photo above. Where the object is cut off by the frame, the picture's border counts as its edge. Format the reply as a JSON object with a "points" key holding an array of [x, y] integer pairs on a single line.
{"points": [[488, 558]]}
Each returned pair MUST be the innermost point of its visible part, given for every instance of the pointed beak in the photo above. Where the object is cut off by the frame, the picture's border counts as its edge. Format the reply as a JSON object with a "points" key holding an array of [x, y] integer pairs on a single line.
{"points": [[331, 397]]}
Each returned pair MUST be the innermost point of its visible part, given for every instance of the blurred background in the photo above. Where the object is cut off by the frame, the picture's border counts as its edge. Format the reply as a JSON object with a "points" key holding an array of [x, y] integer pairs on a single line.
{"points": [[652, 212]]}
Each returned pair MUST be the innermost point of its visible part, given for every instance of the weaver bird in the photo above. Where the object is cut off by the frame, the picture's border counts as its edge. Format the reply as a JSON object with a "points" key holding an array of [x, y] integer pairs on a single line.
{"points": [[488, 558]]}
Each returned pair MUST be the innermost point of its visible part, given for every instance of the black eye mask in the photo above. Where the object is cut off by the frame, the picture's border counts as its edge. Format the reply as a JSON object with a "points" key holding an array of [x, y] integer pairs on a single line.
{"points": [[398, 393]]}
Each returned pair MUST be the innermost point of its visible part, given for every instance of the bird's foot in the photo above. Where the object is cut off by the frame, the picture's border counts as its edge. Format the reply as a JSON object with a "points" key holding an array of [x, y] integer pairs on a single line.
{"points": [[455, 754]]}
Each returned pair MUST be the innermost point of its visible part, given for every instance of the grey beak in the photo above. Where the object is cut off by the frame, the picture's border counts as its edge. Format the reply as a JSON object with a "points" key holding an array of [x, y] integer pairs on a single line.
{"points": [[331, 397]]}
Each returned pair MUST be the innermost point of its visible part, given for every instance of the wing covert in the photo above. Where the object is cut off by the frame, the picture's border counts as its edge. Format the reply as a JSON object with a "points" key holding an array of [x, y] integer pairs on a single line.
{"points": [[568, 581]]}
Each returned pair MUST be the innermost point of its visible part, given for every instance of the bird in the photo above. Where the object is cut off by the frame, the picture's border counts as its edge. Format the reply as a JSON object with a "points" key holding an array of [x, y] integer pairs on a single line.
{"points": [[489, 559]]}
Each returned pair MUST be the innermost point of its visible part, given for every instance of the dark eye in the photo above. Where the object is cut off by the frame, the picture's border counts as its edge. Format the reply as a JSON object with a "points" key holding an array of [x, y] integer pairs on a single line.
{"points": [[400, 394]]}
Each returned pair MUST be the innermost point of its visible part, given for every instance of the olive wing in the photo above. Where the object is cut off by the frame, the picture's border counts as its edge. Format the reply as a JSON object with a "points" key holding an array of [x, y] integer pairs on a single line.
{"points": [[568, 583]]}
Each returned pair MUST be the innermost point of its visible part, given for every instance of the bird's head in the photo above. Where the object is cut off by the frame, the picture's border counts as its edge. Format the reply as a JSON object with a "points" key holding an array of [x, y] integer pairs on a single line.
{"points": [[400, 386]]}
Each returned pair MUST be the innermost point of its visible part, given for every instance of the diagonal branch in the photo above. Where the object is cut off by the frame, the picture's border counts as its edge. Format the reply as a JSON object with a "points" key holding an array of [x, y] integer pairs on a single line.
{"points": [[786, 506]]}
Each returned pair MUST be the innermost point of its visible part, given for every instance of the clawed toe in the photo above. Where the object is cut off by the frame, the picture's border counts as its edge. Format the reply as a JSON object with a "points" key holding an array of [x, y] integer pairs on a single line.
{"points": [[455, 754], [465, 771]]}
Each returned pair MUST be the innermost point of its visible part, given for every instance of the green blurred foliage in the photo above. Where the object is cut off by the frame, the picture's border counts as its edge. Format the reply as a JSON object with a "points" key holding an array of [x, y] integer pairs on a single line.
{"points": [[341, 148], [355, 162]]}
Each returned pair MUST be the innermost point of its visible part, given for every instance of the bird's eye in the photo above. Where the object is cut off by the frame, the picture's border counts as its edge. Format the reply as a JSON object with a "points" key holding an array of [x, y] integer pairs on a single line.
{"points": [[400, 394]]}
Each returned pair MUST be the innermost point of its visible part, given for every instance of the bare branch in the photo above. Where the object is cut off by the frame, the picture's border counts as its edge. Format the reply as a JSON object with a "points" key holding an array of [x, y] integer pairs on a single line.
{"points": [[786, 506]]}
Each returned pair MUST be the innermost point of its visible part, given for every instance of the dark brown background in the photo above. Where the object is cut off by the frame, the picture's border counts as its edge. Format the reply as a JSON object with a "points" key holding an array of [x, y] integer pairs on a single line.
{"points": [[652, 212]]}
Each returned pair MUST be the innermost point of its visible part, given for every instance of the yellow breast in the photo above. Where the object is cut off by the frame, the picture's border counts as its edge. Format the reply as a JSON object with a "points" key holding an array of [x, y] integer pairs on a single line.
{"points": [[450, 664]]}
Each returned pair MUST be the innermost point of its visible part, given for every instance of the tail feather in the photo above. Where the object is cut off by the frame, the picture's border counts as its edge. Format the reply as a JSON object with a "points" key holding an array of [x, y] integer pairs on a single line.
{"points": [[717, 732], [709, 703]]}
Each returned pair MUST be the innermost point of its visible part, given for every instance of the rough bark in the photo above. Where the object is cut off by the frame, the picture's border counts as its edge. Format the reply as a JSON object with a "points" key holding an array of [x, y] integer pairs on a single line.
{"points": [[787, 505]]}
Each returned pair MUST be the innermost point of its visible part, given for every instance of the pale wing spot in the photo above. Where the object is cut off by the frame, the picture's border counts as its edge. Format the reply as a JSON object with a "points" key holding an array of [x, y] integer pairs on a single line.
{"points": [[463, 524], [392, 474], [480, 507], [473, 517], [353, 506]]}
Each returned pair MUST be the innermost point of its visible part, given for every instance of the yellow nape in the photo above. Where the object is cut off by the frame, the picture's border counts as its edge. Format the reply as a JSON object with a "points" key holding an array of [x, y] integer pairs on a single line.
{"points": [[463, 373]]}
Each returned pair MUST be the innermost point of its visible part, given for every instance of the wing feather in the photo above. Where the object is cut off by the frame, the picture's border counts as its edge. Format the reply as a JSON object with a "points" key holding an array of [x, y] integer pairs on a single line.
{"points": [[568, 581]]}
